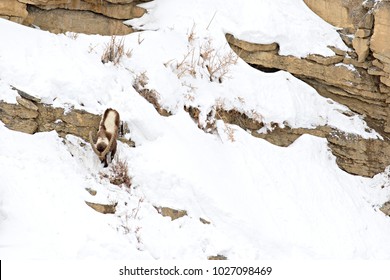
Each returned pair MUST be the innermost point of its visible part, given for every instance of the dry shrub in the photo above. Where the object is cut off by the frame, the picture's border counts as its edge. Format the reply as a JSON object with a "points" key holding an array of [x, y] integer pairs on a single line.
{"points": [[203, 60], [191, 35], [229, 131], [118, 173], [114, 51], [217, 65]]}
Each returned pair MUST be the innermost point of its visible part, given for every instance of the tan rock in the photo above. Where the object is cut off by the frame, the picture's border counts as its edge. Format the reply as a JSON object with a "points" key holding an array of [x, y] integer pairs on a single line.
{"points": [[14, 110], [385, 80], [375, 71], [170, 212], [386, 68], [338, 51], [377, 64], [385, 208], [120, 1], [354, 62], [340, 76], [18, 118], [119, 11], [359, 156], [329, 60], [363, 33], [380, 40], [252, 47], [45, 2], [384, 89], [46, 118], [347, 38], [29, 126], [60, 21], [26, 103], [13, 9], [353, 87], [382, 58], [367, 21], [14, 19], [26, 95], [361, 46], [344, 14], [102, 208]]}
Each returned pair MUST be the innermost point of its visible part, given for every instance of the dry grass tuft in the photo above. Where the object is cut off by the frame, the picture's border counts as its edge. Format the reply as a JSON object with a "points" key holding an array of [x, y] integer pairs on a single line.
{"points": [[114, 51]]}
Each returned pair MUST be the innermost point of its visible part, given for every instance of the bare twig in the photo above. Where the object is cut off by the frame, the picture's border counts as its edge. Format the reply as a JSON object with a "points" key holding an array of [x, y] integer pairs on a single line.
{"points": [[207, 28]]}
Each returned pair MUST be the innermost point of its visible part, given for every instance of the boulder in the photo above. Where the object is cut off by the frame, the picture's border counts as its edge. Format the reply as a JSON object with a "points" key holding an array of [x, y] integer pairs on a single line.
{"points": [[104, 17], [340, 13], [363, 33], [60, 21], [367, 22], [14, 10], [102, 208], [380, 40], [361, 46], [363, 88], [118, 10], [170, 212]]}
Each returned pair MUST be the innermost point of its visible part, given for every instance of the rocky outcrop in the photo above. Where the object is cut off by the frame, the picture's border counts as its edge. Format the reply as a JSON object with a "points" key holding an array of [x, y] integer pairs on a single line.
{"points": [[170, 212], [13, 10], [340, 13], [337, 12], [338, 77], [354, 154], [104, 17], [386, 208], [358, 78], [102, 208], [29, 115]]}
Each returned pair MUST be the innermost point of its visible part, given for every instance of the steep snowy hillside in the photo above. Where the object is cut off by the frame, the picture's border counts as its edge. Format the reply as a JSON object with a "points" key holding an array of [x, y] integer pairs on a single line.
{"points": [[244, 197]]}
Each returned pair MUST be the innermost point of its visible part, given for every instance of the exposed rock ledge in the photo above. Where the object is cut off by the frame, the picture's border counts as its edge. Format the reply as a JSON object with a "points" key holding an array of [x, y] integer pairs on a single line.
{"points": [[104, 17], [30, 116], [354, 154], [358, 78]]}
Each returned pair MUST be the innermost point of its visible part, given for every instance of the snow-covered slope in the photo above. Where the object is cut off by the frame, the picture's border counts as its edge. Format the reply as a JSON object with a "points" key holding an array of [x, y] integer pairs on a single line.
{"points": [[262, 201]]}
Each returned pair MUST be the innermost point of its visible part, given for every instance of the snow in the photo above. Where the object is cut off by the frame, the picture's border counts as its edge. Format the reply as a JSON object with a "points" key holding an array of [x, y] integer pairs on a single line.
{"points": [[290, 23], [262, 201]]}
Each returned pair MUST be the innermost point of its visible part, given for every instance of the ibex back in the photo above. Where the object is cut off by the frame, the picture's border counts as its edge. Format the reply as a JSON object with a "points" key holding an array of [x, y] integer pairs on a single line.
{"points": [[106, 136]]}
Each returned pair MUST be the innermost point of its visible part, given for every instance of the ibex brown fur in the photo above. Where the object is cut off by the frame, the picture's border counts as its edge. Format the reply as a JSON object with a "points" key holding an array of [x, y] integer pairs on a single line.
{"points": [[106, 136]]}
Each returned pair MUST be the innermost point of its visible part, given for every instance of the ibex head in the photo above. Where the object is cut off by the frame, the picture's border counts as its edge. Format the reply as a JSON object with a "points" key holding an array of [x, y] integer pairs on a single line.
{"points": [[106, 136]]}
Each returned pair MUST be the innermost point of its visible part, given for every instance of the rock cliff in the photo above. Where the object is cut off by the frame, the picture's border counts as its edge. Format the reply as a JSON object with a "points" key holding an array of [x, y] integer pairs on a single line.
{"points": [[358, 78], [30, 115], [103, 17]]}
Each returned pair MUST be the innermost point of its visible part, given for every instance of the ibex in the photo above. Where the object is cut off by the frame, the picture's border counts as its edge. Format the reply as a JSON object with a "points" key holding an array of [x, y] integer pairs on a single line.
{"points": [[106, 136]]}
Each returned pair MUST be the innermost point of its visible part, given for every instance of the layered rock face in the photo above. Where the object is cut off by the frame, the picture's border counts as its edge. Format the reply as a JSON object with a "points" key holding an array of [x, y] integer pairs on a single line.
{"points": [[103, 17], [341, 13], [358, 78], [30, 115]]}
